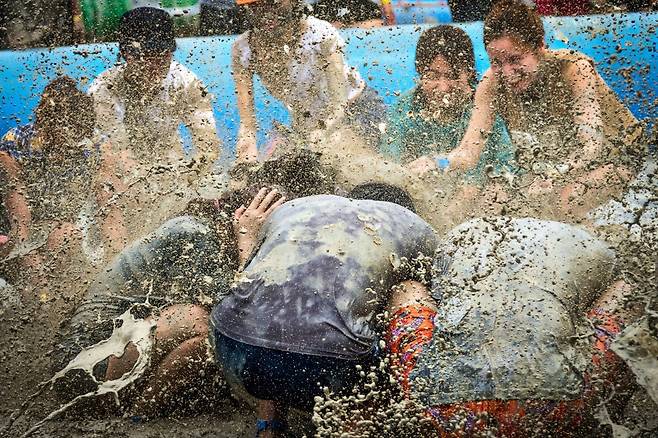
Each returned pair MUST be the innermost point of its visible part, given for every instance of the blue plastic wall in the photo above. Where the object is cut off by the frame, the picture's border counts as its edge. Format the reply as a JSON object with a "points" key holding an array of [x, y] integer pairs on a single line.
{"points": [[624, 46]]}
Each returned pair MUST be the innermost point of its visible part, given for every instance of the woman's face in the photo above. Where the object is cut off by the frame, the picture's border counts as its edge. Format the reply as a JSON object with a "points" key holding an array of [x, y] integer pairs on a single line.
{"points": [[270, 15], [445, 86], [513, 62]]}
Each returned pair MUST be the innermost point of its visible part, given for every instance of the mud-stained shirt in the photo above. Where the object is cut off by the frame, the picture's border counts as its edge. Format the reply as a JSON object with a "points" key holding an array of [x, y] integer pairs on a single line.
{"points": [[512, 302], [323, 271], [302, 82], [148, 126], [180, 262]]}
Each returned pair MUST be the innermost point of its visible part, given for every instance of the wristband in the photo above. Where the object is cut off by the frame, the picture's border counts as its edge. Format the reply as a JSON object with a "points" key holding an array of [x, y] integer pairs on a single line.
{"points": [[442, 163]]}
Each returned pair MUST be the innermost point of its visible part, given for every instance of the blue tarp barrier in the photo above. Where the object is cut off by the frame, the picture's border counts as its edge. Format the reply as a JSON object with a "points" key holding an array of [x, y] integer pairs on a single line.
{"points": [[624, 47]]}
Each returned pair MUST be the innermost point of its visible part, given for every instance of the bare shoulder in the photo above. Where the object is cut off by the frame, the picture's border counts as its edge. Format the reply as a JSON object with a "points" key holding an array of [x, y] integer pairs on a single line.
{"points": [[580, 72]]}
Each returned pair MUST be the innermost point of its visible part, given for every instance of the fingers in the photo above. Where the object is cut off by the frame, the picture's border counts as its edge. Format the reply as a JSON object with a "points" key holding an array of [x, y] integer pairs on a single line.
{"points": [[258, 198], [239, 212], [276, 205], [267, 200]]}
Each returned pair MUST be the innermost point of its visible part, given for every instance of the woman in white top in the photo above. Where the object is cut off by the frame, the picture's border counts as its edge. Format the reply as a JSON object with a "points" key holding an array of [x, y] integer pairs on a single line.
{"points": [[300, 61]]}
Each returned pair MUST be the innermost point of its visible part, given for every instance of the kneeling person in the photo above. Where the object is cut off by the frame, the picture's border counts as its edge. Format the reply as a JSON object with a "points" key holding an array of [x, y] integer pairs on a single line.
{"points": [[148, 311], [302, 315], [511, 347]]}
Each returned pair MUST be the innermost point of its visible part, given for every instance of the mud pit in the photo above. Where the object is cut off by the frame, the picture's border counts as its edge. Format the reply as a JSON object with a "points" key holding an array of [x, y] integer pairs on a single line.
{"points": [[31, 316]]}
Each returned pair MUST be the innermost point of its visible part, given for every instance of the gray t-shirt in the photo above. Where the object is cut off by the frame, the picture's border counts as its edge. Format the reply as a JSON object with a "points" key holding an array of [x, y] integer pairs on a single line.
{"points": [[180, 262], [322, 273], [512, 303]]}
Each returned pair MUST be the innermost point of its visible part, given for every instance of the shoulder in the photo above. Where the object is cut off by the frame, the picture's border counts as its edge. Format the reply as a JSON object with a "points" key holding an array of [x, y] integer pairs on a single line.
{"points": [[320, 32], [105, 81], [182, 77], [183, 226]]}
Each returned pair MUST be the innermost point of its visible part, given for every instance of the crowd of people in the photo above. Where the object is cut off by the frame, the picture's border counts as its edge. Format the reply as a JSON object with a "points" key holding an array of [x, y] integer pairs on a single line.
{"points": [[445, 245]]}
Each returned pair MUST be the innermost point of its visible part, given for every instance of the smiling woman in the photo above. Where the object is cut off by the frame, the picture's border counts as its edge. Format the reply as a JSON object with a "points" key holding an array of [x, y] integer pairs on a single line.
{"points": [[569, 127]]}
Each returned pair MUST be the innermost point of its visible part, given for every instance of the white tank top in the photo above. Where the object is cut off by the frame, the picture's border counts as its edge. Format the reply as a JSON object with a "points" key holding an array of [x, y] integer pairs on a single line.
{"points": [[304, 89]]}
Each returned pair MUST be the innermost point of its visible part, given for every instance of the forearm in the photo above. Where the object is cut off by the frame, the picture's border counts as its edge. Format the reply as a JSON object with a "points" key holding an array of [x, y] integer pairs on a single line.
{"points": [[19, 214]]}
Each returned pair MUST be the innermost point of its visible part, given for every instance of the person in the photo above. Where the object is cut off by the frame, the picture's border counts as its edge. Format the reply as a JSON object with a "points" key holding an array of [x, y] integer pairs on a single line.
{"points": [[517, 338], [300, 61], [50, 166], [302, 314], [221, 17], [141, 103], [159, 288], [573, 136], [431, 118], [354, 13]]}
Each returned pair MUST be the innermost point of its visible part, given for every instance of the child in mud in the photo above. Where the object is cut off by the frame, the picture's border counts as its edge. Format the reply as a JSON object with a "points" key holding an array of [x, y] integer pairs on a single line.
{"points": [[300, 61], [168, 278], [49, 167], [576, 142], [302, 314], [517, 340]]}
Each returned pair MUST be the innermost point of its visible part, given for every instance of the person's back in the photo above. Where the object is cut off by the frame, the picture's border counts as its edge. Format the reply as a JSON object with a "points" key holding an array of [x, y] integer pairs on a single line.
{"points": [[321, 274], [512, 312]]}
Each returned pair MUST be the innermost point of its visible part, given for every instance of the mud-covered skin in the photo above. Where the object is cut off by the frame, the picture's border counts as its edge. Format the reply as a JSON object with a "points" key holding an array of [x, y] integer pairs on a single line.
{"points": [[56, 185], [181, 262], [323, 271], [510, 323]]}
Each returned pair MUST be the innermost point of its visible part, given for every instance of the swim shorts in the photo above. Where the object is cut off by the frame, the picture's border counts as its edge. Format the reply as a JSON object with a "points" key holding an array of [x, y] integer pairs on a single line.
{"points": [[292, 379], [411, 330]]}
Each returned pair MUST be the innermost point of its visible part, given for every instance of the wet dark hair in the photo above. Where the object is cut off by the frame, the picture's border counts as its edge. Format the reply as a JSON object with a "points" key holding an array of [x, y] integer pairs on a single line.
{"points": [[511, 18], [146, 31], [297, 173], [450, 42], [383, 192], [63, 107]]}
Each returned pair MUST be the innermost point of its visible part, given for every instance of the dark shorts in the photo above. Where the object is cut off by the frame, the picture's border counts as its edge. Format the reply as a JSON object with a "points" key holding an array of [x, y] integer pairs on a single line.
{"points": [[292, 379]]}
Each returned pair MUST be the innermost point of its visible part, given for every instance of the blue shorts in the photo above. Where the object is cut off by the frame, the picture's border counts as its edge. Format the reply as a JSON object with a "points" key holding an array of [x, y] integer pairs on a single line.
{"points": [[292, 379]]}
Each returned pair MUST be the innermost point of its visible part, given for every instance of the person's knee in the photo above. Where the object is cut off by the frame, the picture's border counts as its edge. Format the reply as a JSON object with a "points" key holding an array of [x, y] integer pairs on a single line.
{"points": [[182, 321]]}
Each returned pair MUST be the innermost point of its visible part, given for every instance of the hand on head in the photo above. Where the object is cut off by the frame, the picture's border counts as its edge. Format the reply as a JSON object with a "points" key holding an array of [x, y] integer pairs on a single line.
{"points": [[247, 221]]}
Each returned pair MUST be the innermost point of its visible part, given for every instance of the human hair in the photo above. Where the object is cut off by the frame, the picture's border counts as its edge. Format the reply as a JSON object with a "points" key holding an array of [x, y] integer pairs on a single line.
{"points": [[375, 191], [146, 31], [450, 42], [512, 18], [64, 108], [298, 173]]}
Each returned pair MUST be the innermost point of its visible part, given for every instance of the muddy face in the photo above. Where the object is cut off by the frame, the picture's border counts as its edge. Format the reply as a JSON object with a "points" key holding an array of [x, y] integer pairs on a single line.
{"points": [[515, 63], [446, 87], [146, 72]]}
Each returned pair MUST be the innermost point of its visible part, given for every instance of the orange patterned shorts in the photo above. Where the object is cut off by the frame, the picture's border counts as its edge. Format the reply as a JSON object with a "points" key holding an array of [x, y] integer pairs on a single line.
{"points": [[410, 330]]}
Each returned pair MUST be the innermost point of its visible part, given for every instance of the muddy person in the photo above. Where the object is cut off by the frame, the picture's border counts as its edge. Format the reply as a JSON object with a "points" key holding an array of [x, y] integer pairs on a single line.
{"points": [[140, 105], [300, 61], [517, 341], [302, 315], [168, 278], [576, 142], [49, 167], [430, 120]]}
